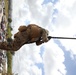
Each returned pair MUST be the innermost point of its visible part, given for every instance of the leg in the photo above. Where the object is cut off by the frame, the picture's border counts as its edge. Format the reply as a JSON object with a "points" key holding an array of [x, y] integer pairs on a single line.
{"points": [[20, 39], [11, 46], [4, 46]]}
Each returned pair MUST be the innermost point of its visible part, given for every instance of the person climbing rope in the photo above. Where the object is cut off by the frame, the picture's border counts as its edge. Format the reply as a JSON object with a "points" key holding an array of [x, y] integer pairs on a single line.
{"points": [[26, 35]]}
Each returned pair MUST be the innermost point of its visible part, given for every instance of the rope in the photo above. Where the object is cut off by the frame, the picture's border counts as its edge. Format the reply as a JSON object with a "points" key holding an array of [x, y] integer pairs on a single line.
{"points": [[63, 38], [72, 38]]}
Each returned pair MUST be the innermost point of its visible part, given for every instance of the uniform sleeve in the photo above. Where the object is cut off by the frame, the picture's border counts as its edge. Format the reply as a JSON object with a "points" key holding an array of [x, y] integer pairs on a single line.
{"points": [[39, 42]]}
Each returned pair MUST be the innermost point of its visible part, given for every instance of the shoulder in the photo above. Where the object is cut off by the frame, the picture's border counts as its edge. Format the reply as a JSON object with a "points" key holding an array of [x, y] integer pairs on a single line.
{"points": [[22, 28], [33, 25]]}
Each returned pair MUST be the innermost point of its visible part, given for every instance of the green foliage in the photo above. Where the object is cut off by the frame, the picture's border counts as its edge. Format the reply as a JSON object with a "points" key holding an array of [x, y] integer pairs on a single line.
{"points": [[9, 39], [9, 61], [9, 55], [9, 32], [9, 20], [12, 52]]}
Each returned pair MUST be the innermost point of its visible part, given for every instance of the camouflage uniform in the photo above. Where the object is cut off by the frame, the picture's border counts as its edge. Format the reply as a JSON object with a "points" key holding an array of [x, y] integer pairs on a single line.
{"points": [[26, 35]]}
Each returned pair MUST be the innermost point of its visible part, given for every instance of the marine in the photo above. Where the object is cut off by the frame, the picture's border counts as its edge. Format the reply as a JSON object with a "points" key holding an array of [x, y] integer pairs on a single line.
{"points": [[26, 35]]}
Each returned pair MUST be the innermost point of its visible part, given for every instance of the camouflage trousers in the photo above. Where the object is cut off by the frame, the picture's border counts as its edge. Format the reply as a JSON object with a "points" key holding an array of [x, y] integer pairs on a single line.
{"points": [[15, 44]]}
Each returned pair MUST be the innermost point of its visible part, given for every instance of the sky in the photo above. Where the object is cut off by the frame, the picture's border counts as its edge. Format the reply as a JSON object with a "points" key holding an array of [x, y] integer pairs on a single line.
{"points": [[56, 57]]}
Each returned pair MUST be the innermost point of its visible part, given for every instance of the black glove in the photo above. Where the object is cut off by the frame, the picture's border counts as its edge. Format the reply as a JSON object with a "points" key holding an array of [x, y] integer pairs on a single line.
{"points": [[49, 37]]}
